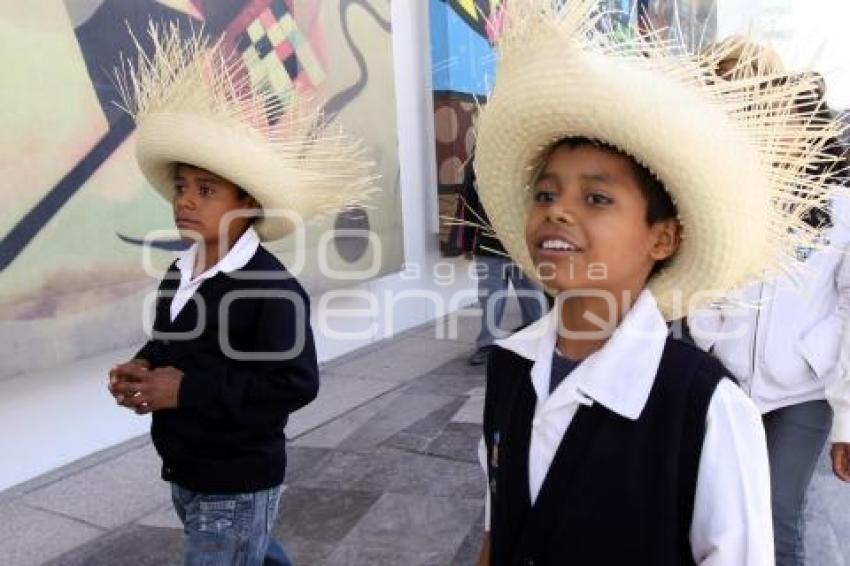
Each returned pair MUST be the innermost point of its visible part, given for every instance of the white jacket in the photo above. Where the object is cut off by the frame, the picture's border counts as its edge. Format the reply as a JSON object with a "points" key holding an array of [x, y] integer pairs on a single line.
{"points": [[785, 349]]}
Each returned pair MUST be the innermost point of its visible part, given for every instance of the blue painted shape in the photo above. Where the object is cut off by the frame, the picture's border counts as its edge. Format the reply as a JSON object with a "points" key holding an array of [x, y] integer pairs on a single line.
{"points": [[461, 59]]}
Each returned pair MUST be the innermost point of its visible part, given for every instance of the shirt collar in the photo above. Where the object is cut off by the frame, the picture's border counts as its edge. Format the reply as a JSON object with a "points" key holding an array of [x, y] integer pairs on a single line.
{"points": [[236, 257], [619, 376]]}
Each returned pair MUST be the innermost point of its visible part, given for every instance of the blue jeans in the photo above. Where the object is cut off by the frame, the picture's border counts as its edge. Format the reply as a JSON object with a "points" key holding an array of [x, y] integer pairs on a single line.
{"points": [[795, 438], [495, 274], [231, 529]]}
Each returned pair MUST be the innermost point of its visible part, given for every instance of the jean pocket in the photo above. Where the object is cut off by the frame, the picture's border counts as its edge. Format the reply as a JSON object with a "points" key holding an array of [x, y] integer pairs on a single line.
{"points": [[216, 515]]}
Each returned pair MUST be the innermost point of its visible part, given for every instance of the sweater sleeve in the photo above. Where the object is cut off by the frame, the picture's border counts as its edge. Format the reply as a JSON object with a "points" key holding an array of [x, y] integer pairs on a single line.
{"points": [[146, 352], [281, 377]]}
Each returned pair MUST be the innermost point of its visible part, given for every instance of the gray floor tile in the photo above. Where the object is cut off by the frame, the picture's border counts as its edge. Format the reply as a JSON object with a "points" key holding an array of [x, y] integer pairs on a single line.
{"points": [[435, 422], [416, 527], [408, 442], [405, 410], [338, 394], [401, 472], [320, 514], [109, 494], [360, 554], [131, 546], [32, 536], [457, 442], [471, 546], [473, 410], [301, 461], [305, 552], [165, 518], [419, 436], [460, 383], [331, 434], [460, 366]]}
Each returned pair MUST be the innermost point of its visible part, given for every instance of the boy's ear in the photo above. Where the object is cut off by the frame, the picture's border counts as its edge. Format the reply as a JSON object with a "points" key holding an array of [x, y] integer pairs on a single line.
{"points": [[668, 235]]}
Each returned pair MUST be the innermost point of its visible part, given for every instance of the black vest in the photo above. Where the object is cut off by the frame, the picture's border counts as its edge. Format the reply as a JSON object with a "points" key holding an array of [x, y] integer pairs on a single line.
{"points": [[618, 491]]}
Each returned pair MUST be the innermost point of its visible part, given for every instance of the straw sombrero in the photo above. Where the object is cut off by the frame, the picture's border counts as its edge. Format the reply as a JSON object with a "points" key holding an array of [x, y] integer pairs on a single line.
{"points": [[194, 104], [732, 154]]}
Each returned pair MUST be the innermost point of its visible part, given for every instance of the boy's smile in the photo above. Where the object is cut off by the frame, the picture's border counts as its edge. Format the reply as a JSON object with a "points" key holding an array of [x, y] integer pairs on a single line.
{"points": [[555, 245], [587, 225]]}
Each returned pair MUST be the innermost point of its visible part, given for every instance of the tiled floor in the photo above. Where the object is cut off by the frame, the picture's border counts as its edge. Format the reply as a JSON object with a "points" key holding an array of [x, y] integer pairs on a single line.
{"points": [[382, 470]]}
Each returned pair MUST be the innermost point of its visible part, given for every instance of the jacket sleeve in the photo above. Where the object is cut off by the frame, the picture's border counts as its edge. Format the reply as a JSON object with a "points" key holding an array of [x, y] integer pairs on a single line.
{"points": [[264, 390], [838, 392], [146, 353], [820, 346]]}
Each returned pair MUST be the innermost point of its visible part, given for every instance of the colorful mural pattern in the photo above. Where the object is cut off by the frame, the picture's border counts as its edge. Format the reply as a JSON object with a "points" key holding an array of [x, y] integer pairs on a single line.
{"points": [[76, 208]]}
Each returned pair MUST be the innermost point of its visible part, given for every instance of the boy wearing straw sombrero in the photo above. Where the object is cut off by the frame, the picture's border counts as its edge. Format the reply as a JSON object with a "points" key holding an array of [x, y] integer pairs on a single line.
{"points": [[635, 190], [232, 352]]}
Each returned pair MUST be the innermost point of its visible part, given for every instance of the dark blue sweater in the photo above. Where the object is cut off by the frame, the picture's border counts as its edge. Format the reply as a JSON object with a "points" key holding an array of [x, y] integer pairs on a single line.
{"points": [[246, 348]]}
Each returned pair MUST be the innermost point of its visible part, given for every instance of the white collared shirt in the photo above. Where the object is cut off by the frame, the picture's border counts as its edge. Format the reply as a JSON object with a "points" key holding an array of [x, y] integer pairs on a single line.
{"points": [[732, 514], [236, 258]]}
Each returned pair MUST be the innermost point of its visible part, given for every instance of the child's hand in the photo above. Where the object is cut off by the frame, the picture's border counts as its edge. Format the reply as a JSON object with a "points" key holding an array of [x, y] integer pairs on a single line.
{"points": [[840, 454], [145, 390], [116, 373]]}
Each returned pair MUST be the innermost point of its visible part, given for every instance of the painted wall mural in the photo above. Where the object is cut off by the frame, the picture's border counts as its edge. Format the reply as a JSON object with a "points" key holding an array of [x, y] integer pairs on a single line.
{"points": [[76, 208], [462, 69]]}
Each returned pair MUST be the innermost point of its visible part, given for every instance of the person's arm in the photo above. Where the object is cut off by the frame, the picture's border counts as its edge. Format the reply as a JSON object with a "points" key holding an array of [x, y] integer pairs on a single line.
{"points": [[731, 519]]}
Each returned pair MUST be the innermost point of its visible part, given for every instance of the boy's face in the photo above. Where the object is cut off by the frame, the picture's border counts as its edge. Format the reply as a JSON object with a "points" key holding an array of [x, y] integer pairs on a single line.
{"points": [[587, 226], [202, 201]]}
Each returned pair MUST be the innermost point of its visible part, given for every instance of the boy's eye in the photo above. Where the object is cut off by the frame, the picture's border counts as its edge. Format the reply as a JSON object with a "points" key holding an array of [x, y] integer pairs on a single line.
{"points": [[178, 188], [205, 190], [597, 199], [544, 196]]}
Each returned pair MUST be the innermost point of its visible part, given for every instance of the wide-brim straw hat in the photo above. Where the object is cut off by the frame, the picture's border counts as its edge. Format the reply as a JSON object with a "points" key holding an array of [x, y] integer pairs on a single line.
{"points": [[732, 154], [194, 104]]}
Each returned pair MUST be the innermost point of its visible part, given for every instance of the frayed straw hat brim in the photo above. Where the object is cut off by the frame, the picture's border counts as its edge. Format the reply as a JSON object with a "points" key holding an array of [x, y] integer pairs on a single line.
{"points": [[732, 160], [195, 105]]}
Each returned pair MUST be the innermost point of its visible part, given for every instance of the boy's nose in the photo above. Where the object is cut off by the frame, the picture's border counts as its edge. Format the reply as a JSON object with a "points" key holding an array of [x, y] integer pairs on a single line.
{"points": [[183, 200], [560, 214]]}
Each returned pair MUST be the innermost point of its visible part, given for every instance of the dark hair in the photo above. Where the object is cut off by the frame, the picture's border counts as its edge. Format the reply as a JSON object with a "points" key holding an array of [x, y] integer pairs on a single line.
{"points": [[659, 203]]}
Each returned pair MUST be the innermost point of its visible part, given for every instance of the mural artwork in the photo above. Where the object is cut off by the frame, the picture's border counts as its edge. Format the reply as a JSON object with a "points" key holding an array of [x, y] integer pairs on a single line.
{"points": [[77, 210]]}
